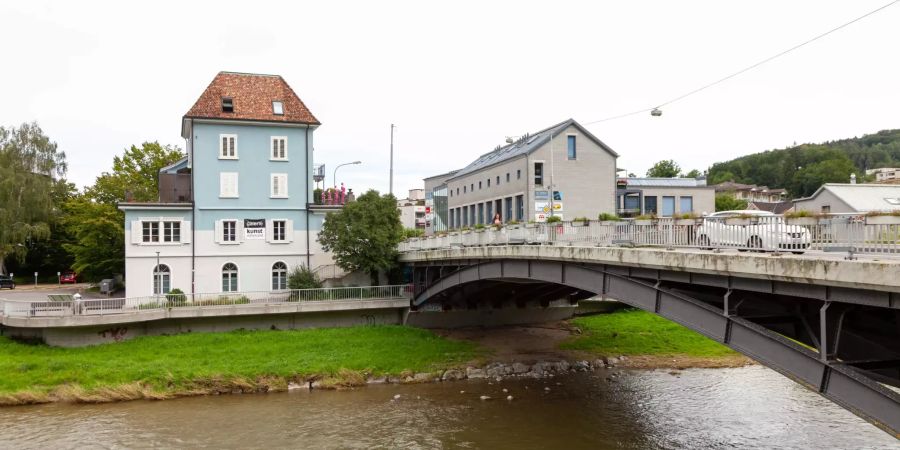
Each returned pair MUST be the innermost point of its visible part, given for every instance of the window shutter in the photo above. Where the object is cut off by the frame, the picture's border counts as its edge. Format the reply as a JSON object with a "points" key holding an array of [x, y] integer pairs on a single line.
{"points": [[218, 231], [289, 230], [186, 232], [234, 184], [239, 230], [282, 185], [137, 232], [223, 185], [270, 230]]}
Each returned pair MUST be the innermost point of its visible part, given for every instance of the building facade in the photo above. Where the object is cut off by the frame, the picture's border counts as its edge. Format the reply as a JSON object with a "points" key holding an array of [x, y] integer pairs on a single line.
{"points": [[412, 209], [834, 198], [885, 174], [563, 170], [664, 197], [234, 214], [751, 192]]}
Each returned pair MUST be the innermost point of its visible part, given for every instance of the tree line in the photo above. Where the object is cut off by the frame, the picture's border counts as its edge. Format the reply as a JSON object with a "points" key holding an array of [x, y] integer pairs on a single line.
{"points": [[47, 225], [801, 169]]}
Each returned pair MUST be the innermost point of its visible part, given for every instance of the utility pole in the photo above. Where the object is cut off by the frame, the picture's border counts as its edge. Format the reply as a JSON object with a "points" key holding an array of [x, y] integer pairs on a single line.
{"points": [[391, 182]]}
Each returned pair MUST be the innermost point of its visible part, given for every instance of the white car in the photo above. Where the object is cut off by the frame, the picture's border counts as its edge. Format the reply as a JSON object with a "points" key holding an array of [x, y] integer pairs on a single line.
{"points": [[751, 230]]}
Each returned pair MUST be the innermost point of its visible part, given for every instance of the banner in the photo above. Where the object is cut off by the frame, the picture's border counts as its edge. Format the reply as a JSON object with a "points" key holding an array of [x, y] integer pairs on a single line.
{"points": [[254, 229]]}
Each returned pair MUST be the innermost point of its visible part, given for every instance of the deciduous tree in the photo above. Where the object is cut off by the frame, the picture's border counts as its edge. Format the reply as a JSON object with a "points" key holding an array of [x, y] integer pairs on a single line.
{"points": [[364, 235], [664, 169]]}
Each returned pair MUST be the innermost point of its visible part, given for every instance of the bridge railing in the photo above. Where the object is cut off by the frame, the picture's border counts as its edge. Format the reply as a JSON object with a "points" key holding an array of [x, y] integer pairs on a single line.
{"points": [[106, 306], [851, 233]]}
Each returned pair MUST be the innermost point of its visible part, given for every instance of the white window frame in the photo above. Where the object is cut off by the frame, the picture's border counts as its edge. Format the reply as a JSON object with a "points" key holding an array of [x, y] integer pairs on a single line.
{"points": [[158, 232], [283, 191], [237, 277], [272, 141], [284, 222], [224, 235], [222, 154], [222, 193], [162, 237], [285, 275]]}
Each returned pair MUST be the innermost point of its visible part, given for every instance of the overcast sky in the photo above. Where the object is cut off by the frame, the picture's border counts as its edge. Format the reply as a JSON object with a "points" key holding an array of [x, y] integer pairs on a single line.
{"points": [[456, 77]]}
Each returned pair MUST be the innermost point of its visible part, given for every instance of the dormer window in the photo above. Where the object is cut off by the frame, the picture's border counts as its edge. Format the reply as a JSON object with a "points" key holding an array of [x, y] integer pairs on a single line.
{"points": [[227, 104], [278, 108]]}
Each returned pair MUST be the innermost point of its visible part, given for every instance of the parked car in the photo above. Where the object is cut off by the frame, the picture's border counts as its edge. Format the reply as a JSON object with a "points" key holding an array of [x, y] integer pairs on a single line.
{"points": [[7, 282], [68, 277], [751, 230]]}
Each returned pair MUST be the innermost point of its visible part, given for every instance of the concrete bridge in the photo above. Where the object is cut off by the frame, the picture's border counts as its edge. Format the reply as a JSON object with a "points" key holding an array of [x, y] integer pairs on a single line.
{"points": [[830, 324]]}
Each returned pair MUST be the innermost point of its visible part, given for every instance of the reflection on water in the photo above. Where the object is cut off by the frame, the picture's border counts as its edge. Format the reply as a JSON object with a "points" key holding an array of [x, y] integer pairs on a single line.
{"points": [[749, 407]]}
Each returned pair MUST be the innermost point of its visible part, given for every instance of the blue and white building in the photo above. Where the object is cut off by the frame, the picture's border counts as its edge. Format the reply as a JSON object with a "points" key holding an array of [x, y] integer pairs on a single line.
{"points": [[235, 214]]}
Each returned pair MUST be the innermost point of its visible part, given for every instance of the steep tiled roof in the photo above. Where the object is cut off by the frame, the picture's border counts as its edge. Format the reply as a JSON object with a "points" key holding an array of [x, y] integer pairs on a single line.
{"points": [[252, 96]]}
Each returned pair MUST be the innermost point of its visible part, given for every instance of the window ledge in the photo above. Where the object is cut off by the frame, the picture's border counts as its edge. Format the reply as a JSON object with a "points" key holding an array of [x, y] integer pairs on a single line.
{"points": [[279, 159], [229, 197], [229, 242], [234, 158], [279, 196], [165, 244], [279, 242]]}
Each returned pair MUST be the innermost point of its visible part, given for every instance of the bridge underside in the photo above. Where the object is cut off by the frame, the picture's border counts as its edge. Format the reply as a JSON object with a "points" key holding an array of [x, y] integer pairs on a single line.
{"points": [[842, 343]]}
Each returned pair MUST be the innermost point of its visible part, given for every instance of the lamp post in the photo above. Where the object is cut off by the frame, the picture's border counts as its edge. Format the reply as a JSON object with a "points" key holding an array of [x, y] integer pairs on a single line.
{"points": [[341, 165]]}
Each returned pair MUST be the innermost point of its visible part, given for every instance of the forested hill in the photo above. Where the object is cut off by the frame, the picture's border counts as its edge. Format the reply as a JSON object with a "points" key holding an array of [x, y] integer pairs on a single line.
{"points": [[803, 168]]}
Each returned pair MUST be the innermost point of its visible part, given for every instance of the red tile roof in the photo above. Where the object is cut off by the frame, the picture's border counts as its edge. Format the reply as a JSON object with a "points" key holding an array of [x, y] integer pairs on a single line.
{"points": [[252, 96]]}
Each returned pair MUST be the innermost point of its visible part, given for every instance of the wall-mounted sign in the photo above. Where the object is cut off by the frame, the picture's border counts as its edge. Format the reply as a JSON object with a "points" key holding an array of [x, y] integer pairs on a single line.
{"points": [[545, 207], [254, 229], [540, 217], [541, 196], [557, 196]]}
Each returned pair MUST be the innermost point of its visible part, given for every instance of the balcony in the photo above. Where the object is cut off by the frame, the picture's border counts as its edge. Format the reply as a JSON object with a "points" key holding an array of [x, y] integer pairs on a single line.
{"points": [[175, 188]]}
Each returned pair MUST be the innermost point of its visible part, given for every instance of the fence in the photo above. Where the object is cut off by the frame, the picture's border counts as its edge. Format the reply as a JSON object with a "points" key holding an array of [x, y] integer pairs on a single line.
{"points": [[839, 232], [105, 306]]}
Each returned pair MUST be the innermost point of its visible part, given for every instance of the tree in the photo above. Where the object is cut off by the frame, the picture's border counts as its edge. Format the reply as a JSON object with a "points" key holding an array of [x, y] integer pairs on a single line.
{"points": [[93, 218], [29, 166], [49, 256], [664, 169], [692, 174], [725, 201], [364, 235]]}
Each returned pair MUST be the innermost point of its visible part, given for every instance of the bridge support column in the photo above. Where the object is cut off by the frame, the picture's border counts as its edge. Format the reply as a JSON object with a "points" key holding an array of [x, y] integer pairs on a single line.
{"points": [[831, 321]]}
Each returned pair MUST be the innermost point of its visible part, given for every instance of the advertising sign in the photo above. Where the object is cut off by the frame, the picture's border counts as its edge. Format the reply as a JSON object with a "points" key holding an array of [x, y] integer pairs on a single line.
{"points": [[254, 229], [541, 196], [545, 207]]}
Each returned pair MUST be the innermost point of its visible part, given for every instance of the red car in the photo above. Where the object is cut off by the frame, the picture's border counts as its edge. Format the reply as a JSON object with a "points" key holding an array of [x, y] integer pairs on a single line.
{"points": [[68, 277]]}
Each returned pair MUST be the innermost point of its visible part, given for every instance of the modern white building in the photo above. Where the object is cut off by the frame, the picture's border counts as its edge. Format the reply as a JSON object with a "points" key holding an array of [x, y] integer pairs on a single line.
{"points": [[235, 213], [664, 197], [413, 209], [885, 173]]}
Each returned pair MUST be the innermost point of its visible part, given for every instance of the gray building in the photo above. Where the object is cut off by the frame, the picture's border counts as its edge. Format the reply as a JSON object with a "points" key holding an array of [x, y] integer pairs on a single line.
{"points": [[437, 214], [664, 197], [851, 198], [563, 170]]}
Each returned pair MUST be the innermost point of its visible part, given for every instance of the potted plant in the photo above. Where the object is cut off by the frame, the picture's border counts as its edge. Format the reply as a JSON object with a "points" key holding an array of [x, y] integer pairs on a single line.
{"points": [[883, 218], [608, 219], [686, 219], [645, 219], [742, 220], [801, 217], [531, 224], [580, 222]]}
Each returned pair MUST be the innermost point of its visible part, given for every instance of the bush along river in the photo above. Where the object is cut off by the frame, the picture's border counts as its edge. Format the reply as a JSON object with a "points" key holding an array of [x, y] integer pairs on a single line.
{"points": [[621, 380]]}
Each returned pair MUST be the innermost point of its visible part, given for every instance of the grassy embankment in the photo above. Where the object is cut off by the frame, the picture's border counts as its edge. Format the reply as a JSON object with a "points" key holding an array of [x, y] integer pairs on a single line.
{"points": [[160, 367], [649, 341]]}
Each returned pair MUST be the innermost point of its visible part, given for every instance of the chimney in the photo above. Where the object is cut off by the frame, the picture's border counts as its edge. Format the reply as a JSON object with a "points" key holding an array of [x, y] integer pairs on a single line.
{"points": [[852, 178]]}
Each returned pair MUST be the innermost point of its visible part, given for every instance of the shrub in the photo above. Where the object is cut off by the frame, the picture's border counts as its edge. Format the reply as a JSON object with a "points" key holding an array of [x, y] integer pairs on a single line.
{"points": [[479, 226], [176, 296], [580, 219], [646, 217], [413, 233], [512, 222], [553, 219], [607, 217], [303, 278], [317, 196], [798, 214]]}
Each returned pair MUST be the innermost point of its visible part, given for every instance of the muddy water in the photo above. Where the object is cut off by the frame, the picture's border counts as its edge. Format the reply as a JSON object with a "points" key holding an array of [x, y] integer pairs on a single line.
{"points": [[750, 407]]}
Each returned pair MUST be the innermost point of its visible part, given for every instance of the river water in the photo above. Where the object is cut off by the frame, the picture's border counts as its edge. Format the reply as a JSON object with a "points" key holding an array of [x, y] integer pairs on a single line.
{"points": [[750, 407]]}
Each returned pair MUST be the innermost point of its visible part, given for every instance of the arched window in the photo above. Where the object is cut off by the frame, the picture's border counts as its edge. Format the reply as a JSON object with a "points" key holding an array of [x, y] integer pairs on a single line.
{"points": [[229, 278], [279, 276], [162, 279]]}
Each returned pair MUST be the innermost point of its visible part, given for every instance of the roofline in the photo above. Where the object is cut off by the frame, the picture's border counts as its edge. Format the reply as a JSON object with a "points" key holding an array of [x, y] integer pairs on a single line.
{"points": [[665, 187], [441, 175], [251, 74], [202, 119], [568, 122], [170, 166]]}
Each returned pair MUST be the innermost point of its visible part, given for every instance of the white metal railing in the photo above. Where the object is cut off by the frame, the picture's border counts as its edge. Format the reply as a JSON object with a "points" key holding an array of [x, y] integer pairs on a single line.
{"points": [[105, 306], [850, 233]]}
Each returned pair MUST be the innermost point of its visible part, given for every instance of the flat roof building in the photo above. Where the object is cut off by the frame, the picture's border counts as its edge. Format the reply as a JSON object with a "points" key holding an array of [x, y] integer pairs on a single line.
{"points": [[664, 197]]}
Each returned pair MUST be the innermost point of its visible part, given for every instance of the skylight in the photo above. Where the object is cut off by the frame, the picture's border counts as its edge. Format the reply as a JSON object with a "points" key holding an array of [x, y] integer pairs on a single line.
{"points": [[893, 201], [227, 104], [278, 108]]}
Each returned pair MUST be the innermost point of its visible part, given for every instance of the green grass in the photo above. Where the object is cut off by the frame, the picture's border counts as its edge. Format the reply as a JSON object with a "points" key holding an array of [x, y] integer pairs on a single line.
{"points": [[177, 363], [635, 332]]}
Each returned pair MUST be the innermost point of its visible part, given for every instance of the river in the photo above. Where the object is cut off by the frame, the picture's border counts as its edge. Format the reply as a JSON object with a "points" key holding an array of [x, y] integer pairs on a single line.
{"points": [[749, 407]]}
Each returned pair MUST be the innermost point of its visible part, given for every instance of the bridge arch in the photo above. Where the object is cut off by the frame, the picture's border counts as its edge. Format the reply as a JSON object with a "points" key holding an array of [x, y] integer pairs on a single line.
{"points": [[857, 390]]}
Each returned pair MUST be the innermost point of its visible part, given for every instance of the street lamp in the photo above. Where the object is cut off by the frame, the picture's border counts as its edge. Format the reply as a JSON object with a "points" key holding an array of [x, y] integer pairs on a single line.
{"points": [[158, 276], [341, 165]]}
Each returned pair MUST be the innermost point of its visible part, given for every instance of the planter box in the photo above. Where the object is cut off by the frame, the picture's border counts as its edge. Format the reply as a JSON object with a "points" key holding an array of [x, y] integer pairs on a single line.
{"points": [[805, 221], [643, 222], [883, 220], [737, 221], [607, 223], [685, 222], [579, 223]]}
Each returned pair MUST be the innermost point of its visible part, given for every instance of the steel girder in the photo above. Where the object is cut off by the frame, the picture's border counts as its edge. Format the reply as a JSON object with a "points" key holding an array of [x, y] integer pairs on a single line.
{"points": [[764, 338]]}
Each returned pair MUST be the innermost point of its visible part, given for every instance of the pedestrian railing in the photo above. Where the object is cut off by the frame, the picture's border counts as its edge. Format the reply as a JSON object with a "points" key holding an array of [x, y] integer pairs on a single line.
{"points": [[105, 306], [851, 233]]}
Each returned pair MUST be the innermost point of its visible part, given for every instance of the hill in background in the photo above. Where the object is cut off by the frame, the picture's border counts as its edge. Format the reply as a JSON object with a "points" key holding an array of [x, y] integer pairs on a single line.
{"points": [[803, 168]]}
